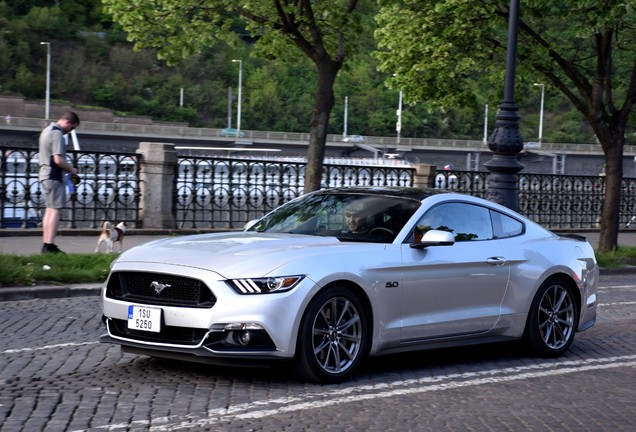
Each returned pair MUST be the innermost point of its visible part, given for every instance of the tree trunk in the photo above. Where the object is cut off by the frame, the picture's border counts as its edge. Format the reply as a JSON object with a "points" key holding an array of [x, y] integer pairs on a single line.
{"points": [[610, 215], [323, 104]]}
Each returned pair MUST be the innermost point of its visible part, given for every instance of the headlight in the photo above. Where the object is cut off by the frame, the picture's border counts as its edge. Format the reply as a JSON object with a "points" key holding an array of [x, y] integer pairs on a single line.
{"points": [[264, 285]]}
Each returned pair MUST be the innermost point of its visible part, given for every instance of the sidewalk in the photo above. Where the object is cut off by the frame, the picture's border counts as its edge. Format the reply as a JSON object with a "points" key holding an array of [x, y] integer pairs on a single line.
{"points": [[76, 244]]}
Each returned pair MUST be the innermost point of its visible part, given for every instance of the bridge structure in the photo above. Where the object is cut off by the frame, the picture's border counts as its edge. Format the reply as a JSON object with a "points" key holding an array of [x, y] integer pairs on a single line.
{"points": [[470, 155]]}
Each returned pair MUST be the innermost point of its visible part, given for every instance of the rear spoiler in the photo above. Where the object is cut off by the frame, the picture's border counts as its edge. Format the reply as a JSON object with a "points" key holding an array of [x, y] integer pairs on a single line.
{"points": [[578, 237]]}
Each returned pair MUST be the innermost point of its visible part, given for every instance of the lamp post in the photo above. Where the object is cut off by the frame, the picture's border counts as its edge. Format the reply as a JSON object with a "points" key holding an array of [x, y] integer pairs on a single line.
{"points": [[346, 114], [229, 107], [541, 112], [398, 125], [485, 141], [48, 79], [240, 85], [505, 141]]}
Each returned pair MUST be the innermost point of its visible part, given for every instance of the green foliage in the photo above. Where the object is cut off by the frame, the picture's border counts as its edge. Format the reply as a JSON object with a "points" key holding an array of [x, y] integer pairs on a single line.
{"points": [[26, 81], [48, 22], [93, 64], [54, 268], [445, 52], [442, 51], [623, 255]]}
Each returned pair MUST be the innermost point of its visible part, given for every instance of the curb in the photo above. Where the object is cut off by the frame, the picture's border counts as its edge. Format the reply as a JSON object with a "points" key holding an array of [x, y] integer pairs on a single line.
{"points": [[49, 291], [628, 269]]}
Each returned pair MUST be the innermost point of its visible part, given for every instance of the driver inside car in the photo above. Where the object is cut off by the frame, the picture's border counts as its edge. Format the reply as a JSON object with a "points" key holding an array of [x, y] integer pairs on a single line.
{"points": [[356, 219]]}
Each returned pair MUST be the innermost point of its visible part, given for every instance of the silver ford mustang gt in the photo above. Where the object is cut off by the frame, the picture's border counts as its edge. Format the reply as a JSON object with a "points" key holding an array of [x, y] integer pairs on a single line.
{"points": [[337, 275]]}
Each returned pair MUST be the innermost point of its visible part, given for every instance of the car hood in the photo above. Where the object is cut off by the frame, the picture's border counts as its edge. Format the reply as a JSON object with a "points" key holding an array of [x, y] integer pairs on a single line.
{"points": [[237, 254]]}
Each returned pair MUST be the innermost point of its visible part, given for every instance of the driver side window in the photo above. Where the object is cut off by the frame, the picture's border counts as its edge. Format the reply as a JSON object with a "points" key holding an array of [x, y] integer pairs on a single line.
{"points": [[467, 222]]}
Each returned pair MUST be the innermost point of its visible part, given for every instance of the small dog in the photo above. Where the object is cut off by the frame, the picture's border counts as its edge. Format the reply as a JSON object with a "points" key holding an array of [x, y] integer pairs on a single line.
{"points": [[110, 236]]}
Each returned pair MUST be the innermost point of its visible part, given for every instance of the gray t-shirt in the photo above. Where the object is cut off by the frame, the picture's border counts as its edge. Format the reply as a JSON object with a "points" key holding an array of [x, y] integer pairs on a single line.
{"points": [[51, 143]]}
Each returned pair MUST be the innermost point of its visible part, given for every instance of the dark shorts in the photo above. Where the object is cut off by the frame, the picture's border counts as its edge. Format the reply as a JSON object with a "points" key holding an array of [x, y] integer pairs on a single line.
{"points": [[54, 194]]}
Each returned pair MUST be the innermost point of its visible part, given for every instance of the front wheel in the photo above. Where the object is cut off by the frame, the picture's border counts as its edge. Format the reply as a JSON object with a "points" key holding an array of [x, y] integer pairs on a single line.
{"points": [[552, 320], [332, 338]]}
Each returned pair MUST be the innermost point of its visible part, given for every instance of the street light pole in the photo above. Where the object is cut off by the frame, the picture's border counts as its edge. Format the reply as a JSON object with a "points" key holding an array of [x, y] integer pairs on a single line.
{"points": [[506, 141], [48, 79], [398, 126], [346, 113], [485, 125], [541, 112], [240, 85]]}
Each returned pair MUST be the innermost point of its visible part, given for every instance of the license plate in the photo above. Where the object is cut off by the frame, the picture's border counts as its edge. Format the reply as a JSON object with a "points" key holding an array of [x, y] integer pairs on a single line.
{"points": [[144, 318]]}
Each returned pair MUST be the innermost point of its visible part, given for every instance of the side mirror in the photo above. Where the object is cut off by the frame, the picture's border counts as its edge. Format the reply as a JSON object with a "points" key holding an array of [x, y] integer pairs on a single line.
{"points": [[434, 238], [250, 224]]}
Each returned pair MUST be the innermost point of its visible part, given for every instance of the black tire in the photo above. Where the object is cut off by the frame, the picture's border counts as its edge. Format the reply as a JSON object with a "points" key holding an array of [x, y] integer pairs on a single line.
{"points": [[552, 320], [333, 337]]}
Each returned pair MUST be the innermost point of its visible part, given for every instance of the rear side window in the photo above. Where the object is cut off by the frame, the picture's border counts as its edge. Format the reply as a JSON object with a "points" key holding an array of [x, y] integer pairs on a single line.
{"points": [[504, 226]]}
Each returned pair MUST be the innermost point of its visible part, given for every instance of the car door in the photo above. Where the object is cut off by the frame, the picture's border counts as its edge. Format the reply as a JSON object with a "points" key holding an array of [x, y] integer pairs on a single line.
{"points": [[453, 290]]}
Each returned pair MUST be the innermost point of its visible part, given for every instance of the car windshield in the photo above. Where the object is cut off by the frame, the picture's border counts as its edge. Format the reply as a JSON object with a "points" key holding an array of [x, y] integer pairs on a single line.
{"points": [[349, 217]]}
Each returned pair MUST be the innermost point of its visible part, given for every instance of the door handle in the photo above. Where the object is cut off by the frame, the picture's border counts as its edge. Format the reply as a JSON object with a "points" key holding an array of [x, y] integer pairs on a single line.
{"points": [[496, 261]]}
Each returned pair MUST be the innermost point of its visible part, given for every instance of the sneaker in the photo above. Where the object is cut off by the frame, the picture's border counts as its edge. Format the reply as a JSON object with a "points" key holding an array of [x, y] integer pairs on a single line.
{"points": [[50, 248]]}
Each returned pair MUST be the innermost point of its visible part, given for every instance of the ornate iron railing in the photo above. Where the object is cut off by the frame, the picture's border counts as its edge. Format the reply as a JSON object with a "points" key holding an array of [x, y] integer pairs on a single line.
{"points": [[223, 193], [554, 201], [109, 189], [226, 193]]}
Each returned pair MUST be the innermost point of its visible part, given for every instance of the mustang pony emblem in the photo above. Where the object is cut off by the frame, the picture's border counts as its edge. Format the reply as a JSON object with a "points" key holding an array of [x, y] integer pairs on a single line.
{"points": [[159, 286]]}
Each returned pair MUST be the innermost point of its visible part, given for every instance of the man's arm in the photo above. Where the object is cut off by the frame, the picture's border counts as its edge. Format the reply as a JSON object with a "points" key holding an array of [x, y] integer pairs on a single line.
{"points": [[63, 164]]}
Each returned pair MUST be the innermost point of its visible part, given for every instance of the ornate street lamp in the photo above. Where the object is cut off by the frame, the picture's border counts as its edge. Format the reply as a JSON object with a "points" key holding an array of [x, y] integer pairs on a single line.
{"points": [[505, 141], [541, 112], [398, 125], [48, 79], [240, 84]]}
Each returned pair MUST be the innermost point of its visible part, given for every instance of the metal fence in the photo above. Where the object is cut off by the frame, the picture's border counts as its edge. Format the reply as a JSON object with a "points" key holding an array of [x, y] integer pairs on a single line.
{"points": [[555, 201], [225, 193], [109, 189]]}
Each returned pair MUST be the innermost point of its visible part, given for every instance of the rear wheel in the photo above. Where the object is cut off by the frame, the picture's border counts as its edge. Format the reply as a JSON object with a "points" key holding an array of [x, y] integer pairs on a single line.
{"points": [[333, 337], [552, 320]]}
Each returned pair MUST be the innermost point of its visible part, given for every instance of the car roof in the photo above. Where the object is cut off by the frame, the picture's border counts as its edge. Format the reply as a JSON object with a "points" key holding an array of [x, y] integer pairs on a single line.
{"points": [[403, 192]]}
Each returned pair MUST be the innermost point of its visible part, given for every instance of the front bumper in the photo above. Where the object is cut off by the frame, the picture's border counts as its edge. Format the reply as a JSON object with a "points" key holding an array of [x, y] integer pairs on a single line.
{"points": [[235, 326]]}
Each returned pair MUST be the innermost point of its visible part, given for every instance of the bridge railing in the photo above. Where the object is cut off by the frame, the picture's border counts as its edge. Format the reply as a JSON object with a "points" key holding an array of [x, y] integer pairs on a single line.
{"points": [[215, 192], [225, 193], [555, 201], [109, 189]]}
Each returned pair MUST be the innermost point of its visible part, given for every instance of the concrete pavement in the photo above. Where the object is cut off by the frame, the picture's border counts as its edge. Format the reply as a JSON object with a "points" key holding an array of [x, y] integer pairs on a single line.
{"points": [[77, 244]]}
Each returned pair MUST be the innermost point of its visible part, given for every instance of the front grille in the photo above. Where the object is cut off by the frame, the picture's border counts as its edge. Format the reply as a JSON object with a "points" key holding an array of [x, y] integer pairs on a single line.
{"points": [[159, 289], [168, 334]]}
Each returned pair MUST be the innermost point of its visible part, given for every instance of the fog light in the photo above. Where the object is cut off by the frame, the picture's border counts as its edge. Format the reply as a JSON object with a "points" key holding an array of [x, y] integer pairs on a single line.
{"points": [[245, 338], [246, 335]]}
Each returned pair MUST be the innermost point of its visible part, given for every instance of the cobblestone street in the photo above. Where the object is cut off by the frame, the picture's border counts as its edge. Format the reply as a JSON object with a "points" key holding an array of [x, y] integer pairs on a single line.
{"points": [[56, 376]]}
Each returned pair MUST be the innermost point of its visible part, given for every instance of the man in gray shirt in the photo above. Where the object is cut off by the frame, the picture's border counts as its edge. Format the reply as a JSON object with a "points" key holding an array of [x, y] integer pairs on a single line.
{"points": [[53, 169]]}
